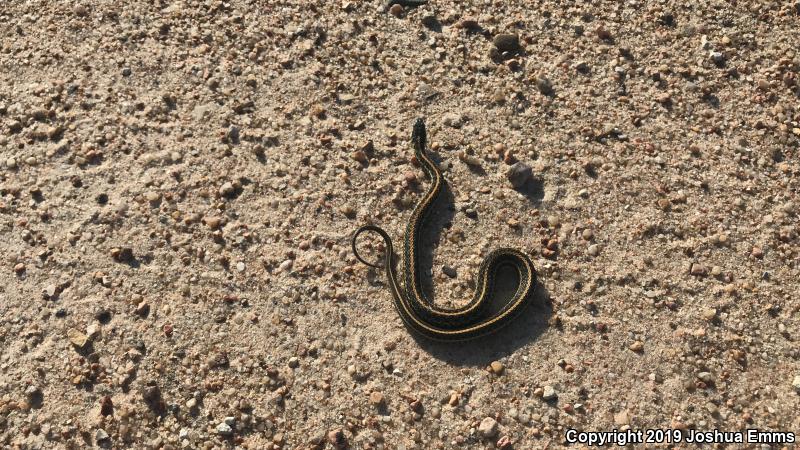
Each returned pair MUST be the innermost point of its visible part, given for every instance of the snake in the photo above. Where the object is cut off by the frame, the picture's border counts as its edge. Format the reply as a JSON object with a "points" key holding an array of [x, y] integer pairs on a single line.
{"points": [[416, 310]]}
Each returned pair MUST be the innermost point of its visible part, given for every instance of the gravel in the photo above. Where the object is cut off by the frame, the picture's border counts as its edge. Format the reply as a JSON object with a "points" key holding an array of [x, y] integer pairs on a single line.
{"points": [[549, 393], [179, 182], [506, 42], [488, 427], [224, 429], [519, 174]]}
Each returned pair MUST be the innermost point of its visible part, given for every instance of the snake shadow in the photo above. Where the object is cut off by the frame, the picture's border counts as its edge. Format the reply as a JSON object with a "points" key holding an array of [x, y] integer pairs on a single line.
{"points": [[529, 324], [533, 190]]}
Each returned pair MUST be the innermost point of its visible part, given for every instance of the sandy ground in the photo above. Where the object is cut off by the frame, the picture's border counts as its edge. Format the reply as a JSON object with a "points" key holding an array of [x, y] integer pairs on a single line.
{"points": [[179, 182]]}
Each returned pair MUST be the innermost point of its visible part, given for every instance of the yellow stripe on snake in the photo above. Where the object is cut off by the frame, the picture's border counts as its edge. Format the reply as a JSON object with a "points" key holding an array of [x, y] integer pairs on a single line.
{"points": [[419, 313]]}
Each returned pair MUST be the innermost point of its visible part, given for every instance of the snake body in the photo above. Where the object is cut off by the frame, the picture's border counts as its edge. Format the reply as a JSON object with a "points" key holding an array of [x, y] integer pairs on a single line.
{"points": [[416, 310]]}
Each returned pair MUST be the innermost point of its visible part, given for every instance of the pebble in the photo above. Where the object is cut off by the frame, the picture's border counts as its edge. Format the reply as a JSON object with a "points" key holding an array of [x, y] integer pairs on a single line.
{"points": [[337, 439], [151, 393], [286, 265], [469, 159], [106, 406], [224, 429], [544, 85], [488, 427], [506, 42], [142, 309], [549, 393], [34, 395], [505, 442], [697, 270], [469, 23], [101, 435], [294, 362], [93, 330], [227, 189], [497, 367], [449, 271], [622, 418], [637, 346], [717, 58], [153, 197], [796, 383], [705, 377], [519, 174], [453, 120], [213, 222], [396, 10], [376, 399], [709, 314], [50, 292], [11, 163], [360, 156], [594, 250], [77, 338], [603, 33], [453, 399]]}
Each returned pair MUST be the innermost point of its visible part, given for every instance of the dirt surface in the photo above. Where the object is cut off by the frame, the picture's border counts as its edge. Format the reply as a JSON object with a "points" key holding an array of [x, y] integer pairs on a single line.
{"points": [[179, 182]]}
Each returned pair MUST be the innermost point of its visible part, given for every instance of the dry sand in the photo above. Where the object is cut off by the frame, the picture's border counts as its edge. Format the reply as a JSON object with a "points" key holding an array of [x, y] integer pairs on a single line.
{"points": [[179, 182]]}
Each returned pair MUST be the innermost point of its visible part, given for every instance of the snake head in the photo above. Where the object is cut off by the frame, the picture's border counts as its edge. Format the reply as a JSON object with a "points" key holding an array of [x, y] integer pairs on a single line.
{"points": [[418, 135]]}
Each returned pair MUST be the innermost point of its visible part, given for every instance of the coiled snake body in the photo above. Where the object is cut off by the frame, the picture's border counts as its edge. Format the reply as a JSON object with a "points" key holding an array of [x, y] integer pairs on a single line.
{"points": [[417, 311]]}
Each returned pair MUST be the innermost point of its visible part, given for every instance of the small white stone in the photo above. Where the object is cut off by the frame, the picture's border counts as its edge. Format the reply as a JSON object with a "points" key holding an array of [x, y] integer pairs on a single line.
{"points": [[705, 377], [100, 435], [93, 330], [224, 429], [285, 266], [549, 393], [488, 427], [226, 189]]}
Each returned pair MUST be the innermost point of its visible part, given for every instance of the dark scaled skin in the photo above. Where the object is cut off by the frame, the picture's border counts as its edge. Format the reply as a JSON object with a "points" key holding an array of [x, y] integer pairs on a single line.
{"points": [[416, 310]]}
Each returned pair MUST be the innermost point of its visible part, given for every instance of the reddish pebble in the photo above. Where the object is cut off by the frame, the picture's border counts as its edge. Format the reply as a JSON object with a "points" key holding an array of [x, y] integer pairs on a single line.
{"points": [[396, 10], [505, 442]]}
